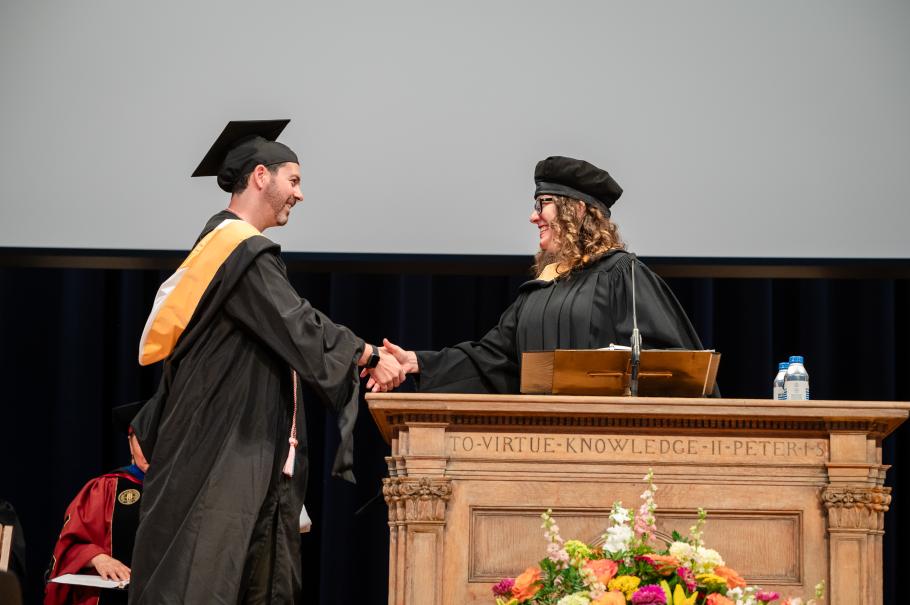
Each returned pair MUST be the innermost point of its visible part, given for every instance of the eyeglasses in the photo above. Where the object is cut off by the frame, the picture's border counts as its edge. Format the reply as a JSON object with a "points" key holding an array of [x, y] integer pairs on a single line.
{"points": [[539, 202]]}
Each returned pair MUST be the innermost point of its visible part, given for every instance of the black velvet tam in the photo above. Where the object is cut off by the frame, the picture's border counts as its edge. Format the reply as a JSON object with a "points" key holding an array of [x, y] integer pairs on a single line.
{"points": [[577, 179], [242, 146], [122, 416]]}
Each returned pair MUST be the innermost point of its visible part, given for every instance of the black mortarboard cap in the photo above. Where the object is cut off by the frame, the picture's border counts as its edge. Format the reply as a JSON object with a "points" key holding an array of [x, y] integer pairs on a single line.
{"points": [[242, 146], [576, 179], [122, 415]]}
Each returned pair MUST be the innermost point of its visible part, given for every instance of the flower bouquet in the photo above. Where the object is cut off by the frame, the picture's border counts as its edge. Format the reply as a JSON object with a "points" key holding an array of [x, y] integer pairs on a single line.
{"points": [[626, 568]]}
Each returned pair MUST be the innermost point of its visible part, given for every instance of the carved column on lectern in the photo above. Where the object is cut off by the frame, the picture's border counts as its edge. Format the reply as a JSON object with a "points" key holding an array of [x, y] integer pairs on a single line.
{"points": [[417, 510], [855, 501], [856, 518], [857, 508], [417, 492]]}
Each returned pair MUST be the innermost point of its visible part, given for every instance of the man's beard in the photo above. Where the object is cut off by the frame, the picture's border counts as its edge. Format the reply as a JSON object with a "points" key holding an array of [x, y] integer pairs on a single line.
{"points": [[276, 202]]}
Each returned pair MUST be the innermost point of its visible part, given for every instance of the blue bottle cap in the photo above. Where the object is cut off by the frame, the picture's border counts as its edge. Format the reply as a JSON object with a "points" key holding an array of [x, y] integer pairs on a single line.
{"points": [[783, 365], [796, 359]]}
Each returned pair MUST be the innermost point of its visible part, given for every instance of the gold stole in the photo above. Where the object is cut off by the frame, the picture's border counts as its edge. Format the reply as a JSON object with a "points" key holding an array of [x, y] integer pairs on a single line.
{"points": [[179, 295]]}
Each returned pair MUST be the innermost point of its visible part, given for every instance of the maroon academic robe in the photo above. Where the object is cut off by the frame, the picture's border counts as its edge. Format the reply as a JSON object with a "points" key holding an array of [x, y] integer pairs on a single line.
{"points": [[107, 505]]}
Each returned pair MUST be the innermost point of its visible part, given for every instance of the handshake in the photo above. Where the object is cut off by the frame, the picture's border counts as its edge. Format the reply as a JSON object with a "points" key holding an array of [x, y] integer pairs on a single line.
{"points": [[394, 365]]}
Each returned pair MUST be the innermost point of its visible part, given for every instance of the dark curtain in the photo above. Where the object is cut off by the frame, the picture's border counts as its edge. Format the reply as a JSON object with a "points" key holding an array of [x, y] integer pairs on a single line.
{"points": [[69, 354]]}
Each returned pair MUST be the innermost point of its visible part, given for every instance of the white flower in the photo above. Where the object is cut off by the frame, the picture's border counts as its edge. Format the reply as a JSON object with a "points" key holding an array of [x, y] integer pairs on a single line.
{"points": [[618, 539], [619, 535], [682, 551], [706, 559], [579, 598], [742, 596], [702, 560], [735, 593], [620, 515]]}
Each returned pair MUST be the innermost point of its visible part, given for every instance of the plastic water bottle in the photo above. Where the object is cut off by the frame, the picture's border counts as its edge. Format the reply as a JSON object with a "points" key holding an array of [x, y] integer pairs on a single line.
{"points": [[780, 392], [796, 382]]}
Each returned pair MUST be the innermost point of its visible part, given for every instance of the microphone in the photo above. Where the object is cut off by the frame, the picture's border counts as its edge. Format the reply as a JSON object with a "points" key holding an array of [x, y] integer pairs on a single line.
{"points": [[636, 339]]}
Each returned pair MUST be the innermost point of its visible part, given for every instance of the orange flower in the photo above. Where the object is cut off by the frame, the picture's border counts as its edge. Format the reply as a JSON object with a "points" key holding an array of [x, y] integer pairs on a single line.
{"points": [[718, 599], [734, 580], [604, 569], [614, 597], [527, 584], [664, 564]]}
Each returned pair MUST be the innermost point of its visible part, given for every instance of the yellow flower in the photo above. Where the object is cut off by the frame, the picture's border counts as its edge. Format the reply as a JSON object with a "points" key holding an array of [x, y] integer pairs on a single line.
{"points": [[680, 598], [625, 584], [499, 601], [713, 582]]}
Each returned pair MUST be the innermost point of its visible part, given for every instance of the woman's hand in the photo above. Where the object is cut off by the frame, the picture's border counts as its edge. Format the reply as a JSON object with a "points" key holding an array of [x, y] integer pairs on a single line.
{"points": [[110, 568], [407, 359], [387, 374]]}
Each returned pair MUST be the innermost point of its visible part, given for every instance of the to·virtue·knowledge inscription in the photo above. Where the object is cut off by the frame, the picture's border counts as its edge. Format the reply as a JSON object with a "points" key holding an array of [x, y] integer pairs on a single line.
{"points": [[626, 447]]}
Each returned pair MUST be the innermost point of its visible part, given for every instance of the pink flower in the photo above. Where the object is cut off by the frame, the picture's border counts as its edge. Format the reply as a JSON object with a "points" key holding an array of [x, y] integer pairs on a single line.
{"points": [[766, 596], [687, 578], [557, 554], [504, 588], [652, 594], [641, 525]]}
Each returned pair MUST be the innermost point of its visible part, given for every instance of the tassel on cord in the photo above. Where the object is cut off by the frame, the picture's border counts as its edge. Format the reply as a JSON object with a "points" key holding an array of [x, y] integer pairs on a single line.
{"points": [[292, 451]]}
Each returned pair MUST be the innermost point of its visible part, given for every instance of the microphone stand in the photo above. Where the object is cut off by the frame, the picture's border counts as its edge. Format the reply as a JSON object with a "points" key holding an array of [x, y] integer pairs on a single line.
{"points": [[636, 339]]}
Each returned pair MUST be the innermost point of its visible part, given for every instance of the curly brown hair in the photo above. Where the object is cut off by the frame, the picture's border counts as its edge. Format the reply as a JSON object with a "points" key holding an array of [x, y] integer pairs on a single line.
{"points": [[579, 239]]}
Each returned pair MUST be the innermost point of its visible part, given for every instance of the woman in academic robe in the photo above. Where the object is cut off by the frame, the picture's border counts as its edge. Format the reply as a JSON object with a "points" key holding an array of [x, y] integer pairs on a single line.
{"points": [[99, 528], [581, 297]]}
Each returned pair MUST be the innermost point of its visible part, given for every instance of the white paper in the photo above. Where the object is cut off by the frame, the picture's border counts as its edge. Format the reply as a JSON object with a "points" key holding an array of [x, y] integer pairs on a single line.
{"points": [[614, 347], [90, 580], [305, 523]]}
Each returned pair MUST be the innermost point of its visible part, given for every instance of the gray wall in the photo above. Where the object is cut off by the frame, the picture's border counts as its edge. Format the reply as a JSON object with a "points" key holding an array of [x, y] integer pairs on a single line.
{"points": [[774, 128]]}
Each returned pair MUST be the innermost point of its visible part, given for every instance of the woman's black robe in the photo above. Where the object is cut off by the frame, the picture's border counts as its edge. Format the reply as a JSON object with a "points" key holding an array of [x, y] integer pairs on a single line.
{"points": [[589, 309]]}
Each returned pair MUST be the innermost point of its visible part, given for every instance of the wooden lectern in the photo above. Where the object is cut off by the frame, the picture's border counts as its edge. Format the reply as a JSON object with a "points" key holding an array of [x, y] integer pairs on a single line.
{"points": [[794, 489]]}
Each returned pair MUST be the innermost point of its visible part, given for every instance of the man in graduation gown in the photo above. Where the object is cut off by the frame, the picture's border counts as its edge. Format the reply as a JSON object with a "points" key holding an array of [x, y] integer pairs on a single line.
{"points": [[98, 529], [587, 306], [225, 433]]}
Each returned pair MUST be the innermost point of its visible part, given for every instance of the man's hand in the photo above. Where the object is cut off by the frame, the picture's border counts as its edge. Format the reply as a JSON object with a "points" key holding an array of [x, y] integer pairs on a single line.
{"points": [[407, 359], [110, 568], [387, 374]]}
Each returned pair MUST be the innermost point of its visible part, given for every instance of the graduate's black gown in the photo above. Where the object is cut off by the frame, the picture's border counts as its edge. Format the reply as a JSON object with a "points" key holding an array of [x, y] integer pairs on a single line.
{"points": [[588, 309], [216, 436]]}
